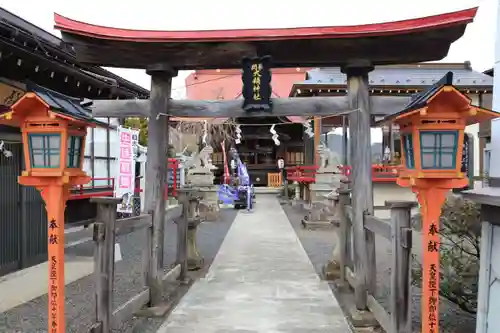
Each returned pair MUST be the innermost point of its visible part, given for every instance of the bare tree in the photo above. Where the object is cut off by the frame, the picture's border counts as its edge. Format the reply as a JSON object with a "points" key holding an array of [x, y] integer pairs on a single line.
{"points": [[216, 132], [459, 253]]}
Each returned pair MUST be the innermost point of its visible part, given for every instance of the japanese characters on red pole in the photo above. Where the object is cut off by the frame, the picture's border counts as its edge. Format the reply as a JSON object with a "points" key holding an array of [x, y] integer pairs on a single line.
{"points": [[53, 277], [431, 278]]}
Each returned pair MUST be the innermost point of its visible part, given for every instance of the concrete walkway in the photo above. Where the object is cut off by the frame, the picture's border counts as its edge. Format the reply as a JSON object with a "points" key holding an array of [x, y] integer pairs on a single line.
{"points": [[260, 281]]}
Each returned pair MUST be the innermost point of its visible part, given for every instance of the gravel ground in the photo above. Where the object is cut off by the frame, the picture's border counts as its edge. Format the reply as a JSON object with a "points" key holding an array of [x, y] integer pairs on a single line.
{"points": [[319, 247], [80, 311]]}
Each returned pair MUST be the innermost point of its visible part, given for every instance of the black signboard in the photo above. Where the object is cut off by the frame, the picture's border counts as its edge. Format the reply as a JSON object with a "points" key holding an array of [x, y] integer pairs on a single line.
{"points": [[256, 79], [465, 155], [467, 166]]}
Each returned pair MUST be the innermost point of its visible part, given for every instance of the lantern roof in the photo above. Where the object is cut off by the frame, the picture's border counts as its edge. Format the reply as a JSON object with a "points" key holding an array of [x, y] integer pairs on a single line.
{"points": [[444, 85], [60, 104]]}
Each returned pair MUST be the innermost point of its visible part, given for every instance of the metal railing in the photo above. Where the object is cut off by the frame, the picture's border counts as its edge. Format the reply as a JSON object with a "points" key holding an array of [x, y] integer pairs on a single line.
{"points": [[91, 189]]}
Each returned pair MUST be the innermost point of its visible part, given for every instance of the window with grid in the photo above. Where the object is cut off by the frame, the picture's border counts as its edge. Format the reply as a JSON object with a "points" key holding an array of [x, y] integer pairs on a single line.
{"points": [[294, 158], [74, 151], [217, 158], [408, 150], [438, 149], [45, 150]]}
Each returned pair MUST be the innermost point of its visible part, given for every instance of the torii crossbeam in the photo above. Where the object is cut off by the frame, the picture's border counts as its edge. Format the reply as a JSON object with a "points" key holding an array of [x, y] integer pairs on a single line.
{"points": [[315, 106]]}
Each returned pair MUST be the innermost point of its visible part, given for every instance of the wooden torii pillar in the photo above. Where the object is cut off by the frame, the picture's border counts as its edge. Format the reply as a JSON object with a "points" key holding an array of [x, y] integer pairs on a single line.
{"points": [[317, 138], [358, 96], [156, 170]]}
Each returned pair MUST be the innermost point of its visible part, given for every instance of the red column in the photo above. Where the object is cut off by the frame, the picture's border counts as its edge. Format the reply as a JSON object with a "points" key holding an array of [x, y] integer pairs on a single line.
{"points": [[55, 197]]}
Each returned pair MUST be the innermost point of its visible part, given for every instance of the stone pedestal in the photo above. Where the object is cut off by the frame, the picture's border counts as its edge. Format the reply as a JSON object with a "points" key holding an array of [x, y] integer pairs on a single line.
{"points": [[323, 195], [321, 214], [319, 191], [200, 176], [326, 181], [296, 199], [209, 206], [203, 179], [331, 270], [194, 258], [192, 218]]}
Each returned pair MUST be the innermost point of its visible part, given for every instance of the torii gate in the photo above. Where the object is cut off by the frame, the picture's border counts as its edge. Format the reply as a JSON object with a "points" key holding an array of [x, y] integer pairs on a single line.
{"points": [[356, 49]]}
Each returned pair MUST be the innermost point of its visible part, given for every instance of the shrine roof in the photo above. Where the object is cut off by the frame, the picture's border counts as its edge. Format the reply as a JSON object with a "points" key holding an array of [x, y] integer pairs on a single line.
{"points": [[29, 43], [408, 41], [400, 77]]}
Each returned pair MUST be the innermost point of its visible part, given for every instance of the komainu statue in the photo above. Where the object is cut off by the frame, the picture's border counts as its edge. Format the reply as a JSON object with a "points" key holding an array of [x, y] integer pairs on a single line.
{"points": [[329, 160], [205, 156], [202, 159]]}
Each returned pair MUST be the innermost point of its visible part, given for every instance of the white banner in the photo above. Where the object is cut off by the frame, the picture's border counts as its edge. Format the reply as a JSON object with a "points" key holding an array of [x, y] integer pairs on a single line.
{"points": [[125, 179]]}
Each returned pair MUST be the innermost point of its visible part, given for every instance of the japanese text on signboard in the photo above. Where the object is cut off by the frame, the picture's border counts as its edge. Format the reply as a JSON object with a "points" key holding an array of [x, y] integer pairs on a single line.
{"points": [[256, 79], [256, 72], [125, 186]]}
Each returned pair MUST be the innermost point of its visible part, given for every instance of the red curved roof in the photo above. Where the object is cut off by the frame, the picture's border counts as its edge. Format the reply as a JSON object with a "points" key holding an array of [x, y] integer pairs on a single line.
{"points": [[409, 41], [377, 29]]}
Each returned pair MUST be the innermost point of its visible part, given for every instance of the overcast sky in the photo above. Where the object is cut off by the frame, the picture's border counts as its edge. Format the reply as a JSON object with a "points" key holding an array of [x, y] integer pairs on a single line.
{"points": [[477, 45]]}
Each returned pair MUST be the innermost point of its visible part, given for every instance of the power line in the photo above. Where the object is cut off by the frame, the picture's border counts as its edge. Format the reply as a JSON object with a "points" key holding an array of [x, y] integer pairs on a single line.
{"points": [[200, 82], [211, 80]]}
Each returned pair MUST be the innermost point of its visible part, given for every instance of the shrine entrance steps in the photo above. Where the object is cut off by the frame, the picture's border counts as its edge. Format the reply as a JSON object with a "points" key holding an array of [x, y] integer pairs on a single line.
{"points": [[260, 281], [267, 190]]}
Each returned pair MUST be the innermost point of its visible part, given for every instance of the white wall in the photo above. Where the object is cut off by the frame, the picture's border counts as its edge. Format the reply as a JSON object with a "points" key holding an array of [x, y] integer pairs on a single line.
{"points": [[100, 143], [474, 130], [100, 165]]}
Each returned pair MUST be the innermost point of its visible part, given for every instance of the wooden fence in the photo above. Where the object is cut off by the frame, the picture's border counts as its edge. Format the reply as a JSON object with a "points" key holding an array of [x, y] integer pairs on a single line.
{"points": [[358, 261], [106, 228], [274, 179]]}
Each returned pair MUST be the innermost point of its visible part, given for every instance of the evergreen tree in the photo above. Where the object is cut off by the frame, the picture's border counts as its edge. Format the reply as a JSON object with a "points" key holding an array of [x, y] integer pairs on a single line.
{"points": [[140, 124]]}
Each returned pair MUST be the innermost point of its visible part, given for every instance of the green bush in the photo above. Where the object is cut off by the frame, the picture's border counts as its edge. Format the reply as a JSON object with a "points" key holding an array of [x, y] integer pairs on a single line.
{"points": [[171, 151], [460, 232]]}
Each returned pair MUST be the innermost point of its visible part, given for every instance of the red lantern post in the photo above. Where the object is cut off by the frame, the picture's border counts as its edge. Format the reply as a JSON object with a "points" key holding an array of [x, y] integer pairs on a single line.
{"points": [[53, 129], [432, 137]]}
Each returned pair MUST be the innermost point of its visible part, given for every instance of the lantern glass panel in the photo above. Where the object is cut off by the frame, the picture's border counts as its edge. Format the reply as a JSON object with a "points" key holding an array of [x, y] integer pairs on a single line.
{"points": [[74, 151], [438, 149], [408, 151], [45, 150]]}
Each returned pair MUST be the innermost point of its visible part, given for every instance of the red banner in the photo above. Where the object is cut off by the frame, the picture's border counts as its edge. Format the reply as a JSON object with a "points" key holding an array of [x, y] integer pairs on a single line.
{"points": [[226, 168]]}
